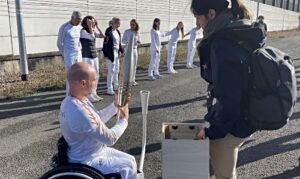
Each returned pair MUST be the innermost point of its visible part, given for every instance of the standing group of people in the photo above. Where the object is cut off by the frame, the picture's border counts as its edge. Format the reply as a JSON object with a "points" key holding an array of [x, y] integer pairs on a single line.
{"points": [[155, 48], [77, 42]]}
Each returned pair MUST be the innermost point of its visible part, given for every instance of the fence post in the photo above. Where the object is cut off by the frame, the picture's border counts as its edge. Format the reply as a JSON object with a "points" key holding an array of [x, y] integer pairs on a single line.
{"points": [[22, 44]]}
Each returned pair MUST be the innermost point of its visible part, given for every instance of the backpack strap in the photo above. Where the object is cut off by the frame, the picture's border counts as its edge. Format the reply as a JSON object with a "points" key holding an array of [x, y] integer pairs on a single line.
{"points": [[241, 37], [250, 46]]}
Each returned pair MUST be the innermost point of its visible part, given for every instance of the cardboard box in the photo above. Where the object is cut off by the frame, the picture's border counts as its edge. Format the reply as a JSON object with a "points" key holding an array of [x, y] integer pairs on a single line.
{"points": [[183, 156]]}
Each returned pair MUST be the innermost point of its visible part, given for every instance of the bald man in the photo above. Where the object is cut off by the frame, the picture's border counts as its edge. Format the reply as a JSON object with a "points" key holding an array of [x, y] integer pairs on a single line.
{"points": [[84, 129]]}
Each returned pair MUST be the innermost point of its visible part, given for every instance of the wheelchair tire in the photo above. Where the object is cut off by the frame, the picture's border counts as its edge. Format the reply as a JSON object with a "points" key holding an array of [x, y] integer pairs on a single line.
{"points": [[74, 171]]}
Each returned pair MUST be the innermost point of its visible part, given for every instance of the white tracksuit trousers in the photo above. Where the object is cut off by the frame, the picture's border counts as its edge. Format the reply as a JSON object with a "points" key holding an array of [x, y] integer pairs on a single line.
{"points": [[113, 71], [135, 61], [114, 161], [171, 56], [154, 63], [94, 62], [190, 55]]}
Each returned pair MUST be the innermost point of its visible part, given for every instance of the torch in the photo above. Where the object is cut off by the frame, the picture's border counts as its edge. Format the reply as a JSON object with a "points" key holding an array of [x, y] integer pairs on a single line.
{"points": [[144, 102], [126, 72]]}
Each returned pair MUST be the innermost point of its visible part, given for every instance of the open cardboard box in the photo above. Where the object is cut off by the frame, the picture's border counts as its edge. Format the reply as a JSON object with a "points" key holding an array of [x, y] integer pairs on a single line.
{"points": [[183, 155]]}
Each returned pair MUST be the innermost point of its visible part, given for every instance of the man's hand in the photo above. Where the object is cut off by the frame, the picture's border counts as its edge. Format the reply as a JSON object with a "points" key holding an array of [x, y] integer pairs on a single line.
{"points": [[128, 98], [124, 110], [201, 134]]}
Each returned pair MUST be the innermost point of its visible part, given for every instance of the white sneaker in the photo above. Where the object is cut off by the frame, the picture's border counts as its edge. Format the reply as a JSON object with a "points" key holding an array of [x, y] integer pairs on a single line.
{"points": [[135, 83], [172, 72], [110, 92], [98, 97], [189, 66], [158, 76], [151, 78], [92, 99]]}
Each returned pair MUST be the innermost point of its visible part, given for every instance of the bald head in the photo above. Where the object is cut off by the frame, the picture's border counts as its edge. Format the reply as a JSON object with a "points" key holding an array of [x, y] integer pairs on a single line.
{"points": [[80, 71]]}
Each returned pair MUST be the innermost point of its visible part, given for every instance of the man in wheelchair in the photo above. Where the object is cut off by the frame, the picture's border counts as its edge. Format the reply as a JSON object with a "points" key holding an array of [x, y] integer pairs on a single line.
{"points": [[84, 129]]}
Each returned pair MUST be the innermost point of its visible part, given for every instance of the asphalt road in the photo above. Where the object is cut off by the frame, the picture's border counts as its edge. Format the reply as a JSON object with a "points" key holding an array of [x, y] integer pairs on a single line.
{"points": [[29, 127]]}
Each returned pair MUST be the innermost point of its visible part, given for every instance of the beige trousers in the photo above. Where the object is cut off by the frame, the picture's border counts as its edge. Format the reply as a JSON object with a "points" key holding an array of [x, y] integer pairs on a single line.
{"points": [[223, 156]]}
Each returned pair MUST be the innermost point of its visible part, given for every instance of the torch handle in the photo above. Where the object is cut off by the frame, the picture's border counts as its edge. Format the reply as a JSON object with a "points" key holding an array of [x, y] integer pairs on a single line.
{"points": [[141, 165], [144, 102]]}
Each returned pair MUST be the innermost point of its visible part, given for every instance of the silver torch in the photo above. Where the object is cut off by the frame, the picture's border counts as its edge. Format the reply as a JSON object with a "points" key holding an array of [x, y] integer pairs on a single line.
{"points": [[126, 72], [144, 102]]}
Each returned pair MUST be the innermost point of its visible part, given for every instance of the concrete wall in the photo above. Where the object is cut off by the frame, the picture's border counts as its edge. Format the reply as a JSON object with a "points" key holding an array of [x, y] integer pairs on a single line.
{"points": [[276, 18], [43, 18]]}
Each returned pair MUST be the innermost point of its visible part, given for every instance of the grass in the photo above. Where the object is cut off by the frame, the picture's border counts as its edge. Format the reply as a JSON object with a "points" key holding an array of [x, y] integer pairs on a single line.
{"points": [[47, 78], [50, 77], [282, 34]]}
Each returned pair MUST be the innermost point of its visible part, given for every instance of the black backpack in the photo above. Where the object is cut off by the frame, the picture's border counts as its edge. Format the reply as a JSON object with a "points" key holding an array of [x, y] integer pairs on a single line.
{"points": [[270, 88]]}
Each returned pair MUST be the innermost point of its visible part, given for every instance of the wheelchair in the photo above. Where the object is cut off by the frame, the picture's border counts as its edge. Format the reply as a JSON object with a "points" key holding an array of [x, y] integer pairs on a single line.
{"points": [[64, 170]]}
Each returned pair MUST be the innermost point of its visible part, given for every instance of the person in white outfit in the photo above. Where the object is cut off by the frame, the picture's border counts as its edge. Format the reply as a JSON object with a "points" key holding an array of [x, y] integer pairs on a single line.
{"points": [[84, 129], [155, 47], [191, 46], [134, 30], [88, 37], [68, 42], [111, 50], [172, 45]]}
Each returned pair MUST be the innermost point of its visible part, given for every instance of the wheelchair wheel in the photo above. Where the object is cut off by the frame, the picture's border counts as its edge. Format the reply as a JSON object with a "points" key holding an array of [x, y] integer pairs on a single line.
{"points": [[74, 171]]}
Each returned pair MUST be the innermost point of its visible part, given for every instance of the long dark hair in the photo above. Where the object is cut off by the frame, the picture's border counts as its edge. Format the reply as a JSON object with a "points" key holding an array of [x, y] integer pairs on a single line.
{"points": [[154, 25], [201, 7], [84, 23], [181, 29], [137, 26]]}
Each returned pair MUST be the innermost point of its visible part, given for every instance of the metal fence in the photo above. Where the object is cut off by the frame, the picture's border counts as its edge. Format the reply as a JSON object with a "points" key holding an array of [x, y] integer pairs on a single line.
{"points": [[293, 5]]}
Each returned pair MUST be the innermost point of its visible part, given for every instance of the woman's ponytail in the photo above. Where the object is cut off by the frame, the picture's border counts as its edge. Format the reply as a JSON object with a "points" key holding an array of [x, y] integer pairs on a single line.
{"points": [[239, 10]]}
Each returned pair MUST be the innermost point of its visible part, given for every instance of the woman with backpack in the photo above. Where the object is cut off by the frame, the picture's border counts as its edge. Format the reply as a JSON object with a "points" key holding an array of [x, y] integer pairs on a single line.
{"points": [[222, 65]]}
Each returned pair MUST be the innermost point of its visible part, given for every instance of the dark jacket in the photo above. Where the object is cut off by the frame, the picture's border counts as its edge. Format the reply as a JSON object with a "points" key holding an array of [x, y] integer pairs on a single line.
{"points": [[108, 44], [261, 24], [222, 65]]}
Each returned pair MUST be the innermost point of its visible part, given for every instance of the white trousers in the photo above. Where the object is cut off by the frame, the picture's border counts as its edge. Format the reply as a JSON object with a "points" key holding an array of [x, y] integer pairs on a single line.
{"points": [[72, 58], [171, 56], [113, 71], [190, 55], [94, 62], [154, 63], [135, 61], [68, 63], [114, 161]]}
